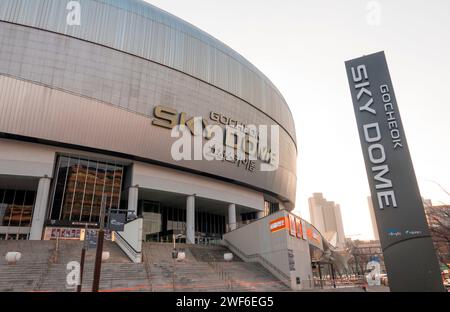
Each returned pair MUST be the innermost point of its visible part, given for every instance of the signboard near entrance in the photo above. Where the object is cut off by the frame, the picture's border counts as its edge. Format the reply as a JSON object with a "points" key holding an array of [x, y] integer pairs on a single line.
{"points": [[117, 221], [405, 239], [91, 238]]}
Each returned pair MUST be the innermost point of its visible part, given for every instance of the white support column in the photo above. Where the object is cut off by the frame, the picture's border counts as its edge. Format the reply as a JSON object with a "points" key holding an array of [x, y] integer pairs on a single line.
{"points": [[232, 217], [133, 195], [40, 208], [190, 219]]}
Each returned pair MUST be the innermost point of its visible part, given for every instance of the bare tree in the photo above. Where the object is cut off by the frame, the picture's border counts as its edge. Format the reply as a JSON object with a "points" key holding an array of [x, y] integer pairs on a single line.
{"points": [[358, 260], [439, 223]]}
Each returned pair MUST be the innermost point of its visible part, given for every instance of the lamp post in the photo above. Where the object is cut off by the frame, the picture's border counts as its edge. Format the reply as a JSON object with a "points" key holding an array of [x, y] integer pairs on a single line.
{"points": [[174, 257], [99, 252], [83, 256], [332, 275]]}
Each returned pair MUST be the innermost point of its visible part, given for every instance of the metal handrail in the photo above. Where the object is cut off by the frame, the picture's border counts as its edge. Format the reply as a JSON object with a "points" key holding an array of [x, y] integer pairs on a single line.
{"points": [[286, 279], [127, 245], [44, 272], [147, 267], [219, 270]]}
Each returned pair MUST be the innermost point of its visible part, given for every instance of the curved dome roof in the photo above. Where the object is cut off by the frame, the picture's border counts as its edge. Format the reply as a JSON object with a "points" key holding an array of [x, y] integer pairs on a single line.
{"points": [[141, 29]]}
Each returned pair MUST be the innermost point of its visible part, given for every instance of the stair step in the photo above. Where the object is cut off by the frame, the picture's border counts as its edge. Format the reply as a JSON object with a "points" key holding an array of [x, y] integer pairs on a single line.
{"points": [[39, 270]]}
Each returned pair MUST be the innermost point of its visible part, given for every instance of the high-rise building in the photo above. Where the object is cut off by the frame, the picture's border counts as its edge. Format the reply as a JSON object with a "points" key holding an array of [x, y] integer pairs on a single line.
{"points": [[374, 220], [326, 216]]}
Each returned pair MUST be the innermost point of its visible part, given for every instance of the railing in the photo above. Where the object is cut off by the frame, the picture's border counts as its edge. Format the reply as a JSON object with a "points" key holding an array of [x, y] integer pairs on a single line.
{"points": [[286, 279], [44, 271], [219, 270], [239, 224], [147, 267], [338, 282], [127, 248]]}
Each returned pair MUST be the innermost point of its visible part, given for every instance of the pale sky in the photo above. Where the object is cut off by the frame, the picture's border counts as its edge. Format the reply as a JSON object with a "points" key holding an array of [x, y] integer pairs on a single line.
{"points": [[301, 45]]}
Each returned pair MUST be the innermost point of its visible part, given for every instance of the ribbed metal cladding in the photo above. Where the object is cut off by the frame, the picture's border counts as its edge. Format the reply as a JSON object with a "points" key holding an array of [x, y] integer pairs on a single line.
{"points": [[32, 110], [113, 77], [143, 30]]}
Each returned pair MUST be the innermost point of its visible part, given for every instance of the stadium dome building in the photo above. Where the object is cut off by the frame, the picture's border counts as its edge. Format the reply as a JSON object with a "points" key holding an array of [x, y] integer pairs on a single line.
{"points": [[89, 93], [86, 112]]}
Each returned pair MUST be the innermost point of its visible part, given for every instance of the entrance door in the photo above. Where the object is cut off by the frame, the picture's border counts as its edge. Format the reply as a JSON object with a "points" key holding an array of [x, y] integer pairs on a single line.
{"points": [[152, 221]]}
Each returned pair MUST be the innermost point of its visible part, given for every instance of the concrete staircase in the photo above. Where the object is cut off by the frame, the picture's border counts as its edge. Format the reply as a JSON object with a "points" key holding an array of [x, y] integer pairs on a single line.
{"points": [[251, 276], [43, 268], [114, 277], [118, 273], [28, 273], [210, 253], [165, 274], [204, 269]]}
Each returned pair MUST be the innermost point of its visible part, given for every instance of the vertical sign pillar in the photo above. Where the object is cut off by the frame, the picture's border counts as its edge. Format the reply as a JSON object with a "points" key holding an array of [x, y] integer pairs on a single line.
{"points": [[408, 250]]}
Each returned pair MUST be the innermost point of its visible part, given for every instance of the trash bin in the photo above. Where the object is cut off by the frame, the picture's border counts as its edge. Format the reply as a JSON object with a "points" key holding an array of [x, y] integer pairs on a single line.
{"points": [[174, 254]]}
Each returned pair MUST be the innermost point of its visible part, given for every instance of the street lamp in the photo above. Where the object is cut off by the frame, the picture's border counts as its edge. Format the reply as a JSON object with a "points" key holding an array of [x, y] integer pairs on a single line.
{"points": [[99, 252]]}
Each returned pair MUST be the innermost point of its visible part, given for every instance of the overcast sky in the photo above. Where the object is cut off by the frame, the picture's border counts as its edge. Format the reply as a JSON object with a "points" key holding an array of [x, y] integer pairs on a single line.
{"points": [[301, 45]]}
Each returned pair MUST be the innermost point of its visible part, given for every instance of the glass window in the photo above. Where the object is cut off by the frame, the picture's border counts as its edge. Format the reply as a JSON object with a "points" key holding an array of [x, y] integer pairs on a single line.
{"points": [[9, 197], [8, 207], [98, 192], [89, 191], [27, 210], [80, 189], [117, 187], [60, 183], [16, 207], [70, 190], [2, 205], [80, 186]]}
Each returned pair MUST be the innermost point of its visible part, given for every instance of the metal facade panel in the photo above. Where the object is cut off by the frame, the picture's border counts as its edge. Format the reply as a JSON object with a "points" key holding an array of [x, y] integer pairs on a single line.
{"points": [[37, 111], [141, 29]]}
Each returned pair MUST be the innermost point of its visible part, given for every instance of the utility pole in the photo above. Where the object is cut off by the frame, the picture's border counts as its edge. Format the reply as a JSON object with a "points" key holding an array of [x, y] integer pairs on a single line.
{"points": [[83, 256], [332, 275], [320, 274], [99, 252]]}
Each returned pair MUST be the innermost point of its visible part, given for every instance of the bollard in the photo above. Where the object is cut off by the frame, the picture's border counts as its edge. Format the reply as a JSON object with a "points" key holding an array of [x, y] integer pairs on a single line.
{"points": [[105, 255], [13, 257], [228, 256]]}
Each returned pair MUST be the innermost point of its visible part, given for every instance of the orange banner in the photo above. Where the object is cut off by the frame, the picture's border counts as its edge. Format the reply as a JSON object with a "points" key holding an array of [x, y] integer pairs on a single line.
{"points": [[292, 228], [278, 224], [299, 228]]}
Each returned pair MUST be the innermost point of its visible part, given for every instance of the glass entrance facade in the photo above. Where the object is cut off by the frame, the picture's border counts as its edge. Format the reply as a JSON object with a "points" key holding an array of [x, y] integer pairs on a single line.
{"points": [[16, 210], [270, 208], [162, 221], [79, 187]]}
